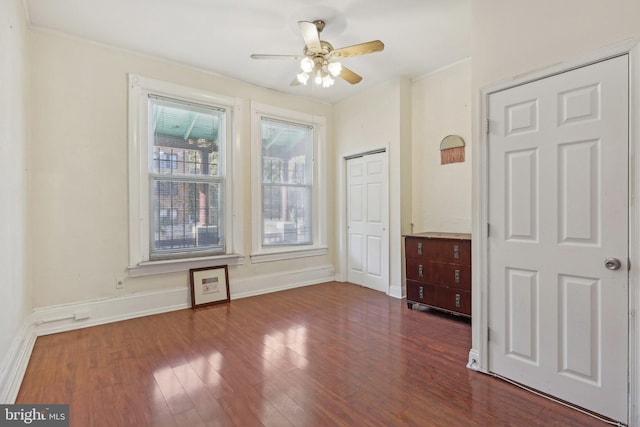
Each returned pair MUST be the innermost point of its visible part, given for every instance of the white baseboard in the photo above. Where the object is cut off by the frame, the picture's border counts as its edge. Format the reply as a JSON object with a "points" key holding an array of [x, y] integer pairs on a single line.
{"points": [[15, 364], [396, 292], [474, 360], [263, 284], [67, 317], [83, 314]]}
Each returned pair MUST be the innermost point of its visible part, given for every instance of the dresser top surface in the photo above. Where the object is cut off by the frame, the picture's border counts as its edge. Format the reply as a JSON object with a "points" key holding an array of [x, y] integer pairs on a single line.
{"points": [[438, 235]]}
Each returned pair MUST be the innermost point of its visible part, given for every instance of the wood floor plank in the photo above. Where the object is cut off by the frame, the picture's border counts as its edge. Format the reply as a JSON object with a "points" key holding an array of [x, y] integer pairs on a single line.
{"points": [[174, 394], [333, 354]]}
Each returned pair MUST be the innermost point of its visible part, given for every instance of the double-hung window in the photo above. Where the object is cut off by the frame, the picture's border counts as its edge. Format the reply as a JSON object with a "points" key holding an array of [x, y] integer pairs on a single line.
{"points": [[287, 183], [186, 177], [179, 184], [288, 192]]}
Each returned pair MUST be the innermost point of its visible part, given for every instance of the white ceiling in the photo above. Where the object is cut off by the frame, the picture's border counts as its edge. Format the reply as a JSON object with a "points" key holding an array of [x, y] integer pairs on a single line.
{"points": [[219, 35]]}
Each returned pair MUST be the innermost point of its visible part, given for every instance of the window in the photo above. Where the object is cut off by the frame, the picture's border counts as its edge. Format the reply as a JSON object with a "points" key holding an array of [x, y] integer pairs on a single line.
{"points": [[287, 182], [165, 160], [186, 177], [180, 198], [288, 187]]}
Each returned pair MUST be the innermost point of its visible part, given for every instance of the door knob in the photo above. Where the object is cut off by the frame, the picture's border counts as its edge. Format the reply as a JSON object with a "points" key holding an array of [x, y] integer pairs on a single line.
{"points": [[612, 263]]}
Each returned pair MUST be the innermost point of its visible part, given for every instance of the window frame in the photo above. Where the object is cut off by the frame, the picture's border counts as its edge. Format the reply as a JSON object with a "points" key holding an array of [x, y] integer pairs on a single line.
{"points": [[260, 252], [140, 160]]}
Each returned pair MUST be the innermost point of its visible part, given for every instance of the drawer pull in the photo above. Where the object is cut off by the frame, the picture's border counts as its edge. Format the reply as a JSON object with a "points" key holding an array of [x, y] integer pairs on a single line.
{"points": [[457, 276], [458, 300], [419, 248], [421, 292], [456, 251], [420, 271]]}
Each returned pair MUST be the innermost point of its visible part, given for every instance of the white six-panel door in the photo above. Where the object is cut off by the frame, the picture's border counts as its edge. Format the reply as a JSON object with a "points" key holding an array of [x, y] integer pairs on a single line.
{"points": [[558, 208], [367, 213]]}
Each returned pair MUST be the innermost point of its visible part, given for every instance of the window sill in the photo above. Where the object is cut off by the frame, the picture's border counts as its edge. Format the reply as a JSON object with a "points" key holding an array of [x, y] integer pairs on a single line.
{"points": [[287, 254], [177, 265]]}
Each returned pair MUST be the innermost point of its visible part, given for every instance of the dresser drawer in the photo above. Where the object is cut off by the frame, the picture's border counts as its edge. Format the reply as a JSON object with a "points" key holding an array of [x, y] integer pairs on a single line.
{"points": [[415, 247], [446, 250], [455, 300], [439, 273], [422, 293]]}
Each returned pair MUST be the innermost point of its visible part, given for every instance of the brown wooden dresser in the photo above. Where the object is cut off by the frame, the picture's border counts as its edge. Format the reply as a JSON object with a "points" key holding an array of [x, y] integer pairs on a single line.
{"points": [[438, 268]]}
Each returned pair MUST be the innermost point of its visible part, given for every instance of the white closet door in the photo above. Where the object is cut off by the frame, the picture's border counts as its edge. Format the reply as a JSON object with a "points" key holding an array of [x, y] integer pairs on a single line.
{"points": [[367, 212]]}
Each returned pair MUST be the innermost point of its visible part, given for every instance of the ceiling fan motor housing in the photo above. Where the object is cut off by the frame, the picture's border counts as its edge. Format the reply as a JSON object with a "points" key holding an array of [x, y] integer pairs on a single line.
{"points": [[319, 23], [325, 49]]}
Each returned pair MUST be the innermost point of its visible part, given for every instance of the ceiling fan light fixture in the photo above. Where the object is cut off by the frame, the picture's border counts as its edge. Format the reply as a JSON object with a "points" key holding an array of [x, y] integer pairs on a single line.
{"points": [[320, 61], [334, 68], [307, 64], [327, 81], [303, 78]]}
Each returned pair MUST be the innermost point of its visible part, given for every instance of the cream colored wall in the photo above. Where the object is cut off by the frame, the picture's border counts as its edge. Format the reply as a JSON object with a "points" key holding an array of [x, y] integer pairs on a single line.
{"points": [[79, 168], [515, 37], [15, 292], [377, 118], [512, 38], [441, 106]]}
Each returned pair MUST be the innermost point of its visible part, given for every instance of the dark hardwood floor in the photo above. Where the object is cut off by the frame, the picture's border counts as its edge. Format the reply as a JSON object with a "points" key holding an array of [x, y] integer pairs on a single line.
{"points": [[333, 354]]}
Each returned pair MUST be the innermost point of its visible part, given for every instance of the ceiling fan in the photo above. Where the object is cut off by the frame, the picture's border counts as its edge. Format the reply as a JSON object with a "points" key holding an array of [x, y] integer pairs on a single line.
{"points": [[320, 60]]}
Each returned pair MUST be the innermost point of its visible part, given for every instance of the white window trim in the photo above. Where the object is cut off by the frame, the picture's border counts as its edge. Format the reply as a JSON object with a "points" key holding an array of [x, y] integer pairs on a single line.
{"points": [[139, 214], [318, 194]]}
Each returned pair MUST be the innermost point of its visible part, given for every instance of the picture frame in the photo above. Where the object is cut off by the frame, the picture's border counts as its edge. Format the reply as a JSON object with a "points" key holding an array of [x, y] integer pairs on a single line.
{"points": [[209, 286]]}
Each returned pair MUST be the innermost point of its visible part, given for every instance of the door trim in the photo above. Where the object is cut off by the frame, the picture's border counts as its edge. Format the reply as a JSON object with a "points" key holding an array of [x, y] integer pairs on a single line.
{"points": [[478, 355], [366, 153]]}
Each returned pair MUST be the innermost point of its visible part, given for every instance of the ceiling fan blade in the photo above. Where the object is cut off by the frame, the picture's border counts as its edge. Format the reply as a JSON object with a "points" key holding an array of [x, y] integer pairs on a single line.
{"points": [[358, 49], [310, 35], [261, 56], [350, 76]]}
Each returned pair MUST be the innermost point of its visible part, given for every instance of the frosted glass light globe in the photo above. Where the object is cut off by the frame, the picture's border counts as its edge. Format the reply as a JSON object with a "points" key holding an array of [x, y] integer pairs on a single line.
{"points": [[303, 77], [334, 68], [306, 64]]}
